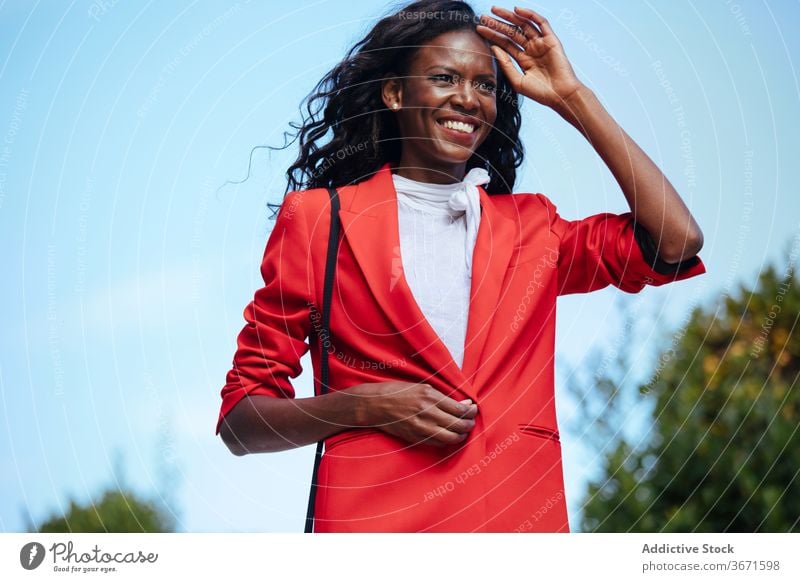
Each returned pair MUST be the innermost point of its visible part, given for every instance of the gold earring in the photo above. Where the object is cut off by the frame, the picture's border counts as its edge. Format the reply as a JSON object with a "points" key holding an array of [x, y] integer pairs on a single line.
{"points": [[395, 106]]}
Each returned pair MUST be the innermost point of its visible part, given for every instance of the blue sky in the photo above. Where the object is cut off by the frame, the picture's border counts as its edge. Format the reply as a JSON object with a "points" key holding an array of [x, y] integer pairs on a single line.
{"points": [[127, 273]]}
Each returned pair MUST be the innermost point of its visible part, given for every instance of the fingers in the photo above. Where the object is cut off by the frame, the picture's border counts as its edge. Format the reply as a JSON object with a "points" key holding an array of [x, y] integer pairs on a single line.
{"points": [[457, 432], [524, 25], [444, 437], [507, 65], [456, 418], [538, 19], [444, 407], [471, 410], [504, 29], [464, 408], [458, 425], [449, 422], [490, 32], [442, 420]]}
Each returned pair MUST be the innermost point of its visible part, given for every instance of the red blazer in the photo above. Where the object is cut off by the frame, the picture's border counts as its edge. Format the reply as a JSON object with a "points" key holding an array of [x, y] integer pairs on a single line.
{"points": [[507, 475]]}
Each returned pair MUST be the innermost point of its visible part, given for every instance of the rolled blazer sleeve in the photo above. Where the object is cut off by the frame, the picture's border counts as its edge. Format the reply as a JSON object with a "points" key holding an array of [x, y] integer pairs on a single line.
{"points": [[611, 249], [270, 345]]}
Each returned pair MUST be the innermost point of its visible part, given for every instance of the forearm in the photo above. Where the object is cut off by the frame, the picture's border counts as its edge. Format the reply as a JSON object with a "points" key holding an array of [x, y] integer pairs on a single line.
{"points": [[653, 200], [263, 424]]}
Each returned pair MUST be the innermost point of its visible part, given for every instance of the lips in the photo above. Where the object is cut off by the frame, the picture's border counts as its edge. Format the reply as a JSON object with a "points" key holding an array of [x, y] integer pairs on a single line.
{"points": [[459, 129], [460, 126]]}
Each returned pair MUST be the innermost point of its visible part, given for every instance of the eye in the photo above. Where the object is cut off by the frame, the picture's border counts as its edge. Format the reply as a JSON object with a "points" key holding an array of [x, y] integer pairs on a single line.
{"points": [[446, 77], [488, 87]]}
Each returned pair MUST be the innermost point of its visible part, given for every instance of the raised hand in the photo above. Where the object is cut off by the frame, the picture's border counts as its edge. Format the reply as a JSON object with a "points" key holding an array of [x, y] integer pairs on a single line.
{"points": [[527, 39]]}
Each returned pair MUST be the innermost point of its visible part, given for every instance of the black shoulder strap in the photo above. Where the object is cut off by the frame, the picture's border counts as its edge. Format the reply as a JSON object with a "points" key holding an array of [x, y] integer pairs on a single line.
{"points": [[330, 271]]}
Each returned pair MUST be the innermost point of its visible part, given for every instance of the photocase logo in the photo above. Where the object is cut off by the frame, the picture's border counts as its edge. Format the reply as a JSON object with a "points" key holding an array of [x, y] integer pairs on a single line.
{"points": [[31, 555]]}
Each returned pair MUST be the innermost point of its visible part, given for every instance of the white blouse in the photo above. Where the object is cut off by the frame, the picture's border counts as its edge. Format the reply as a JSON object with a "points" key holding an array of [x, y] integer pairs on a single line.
{"points": [[438, 225]]}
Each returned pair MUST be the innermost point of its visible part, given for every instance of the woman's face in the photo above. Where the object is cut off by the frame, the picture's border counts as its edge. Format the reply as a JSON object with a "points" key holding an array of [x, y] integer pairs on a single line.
{"points": [[446, 102]]}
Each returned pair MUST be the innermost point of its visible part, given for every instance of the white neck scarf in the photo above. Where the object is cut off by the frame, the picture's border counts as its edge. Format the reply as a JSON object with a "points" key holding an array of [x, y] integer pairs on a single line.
{"points": [[451, 198]]}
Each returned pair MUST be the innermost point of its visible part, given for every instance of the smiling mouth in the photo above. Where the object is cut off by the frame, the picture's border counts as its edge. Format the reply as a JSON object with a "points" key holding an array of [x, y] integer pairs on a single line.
{"points": [[460, 126]]}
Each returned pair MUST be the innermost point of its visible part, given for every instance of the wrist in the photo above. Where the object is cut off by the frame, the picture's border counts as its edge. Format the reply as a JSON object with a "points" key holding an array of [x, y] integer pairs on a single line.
{"points": [[575, 105], [358, 404]]}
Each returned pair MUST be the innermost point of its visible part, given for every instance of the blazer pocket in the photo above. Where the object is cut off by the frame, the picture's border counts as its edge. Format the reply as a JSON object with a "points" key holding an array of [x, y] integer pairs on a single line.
{"points": [[536, 430], [522, 254]]}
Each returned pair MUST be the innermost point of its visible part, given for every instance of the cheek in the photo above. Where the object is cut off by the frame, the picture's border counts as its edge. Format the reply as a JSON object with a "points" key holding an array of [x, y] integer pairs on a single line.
{"points": [[420, 122], [412, 122], [491, 115]]}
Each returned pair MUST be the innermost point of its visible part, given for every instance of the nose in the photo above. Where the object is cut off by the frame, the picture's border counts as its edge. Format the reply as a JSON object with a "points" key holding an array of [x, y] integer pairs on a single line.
{"points": [[465, 95]]}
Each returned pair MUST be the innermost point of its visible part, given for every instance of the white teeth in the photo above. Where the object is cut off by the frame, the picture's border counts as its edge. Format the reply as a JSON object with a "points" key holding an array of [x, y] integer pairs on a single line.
{"points": [[459, 126]]}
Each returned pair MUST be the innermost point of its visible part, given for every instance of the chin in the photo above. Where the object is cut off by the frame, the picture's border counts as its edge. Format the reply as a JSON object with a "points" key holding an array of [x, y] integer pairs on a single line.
{"points": [[453, 155]]}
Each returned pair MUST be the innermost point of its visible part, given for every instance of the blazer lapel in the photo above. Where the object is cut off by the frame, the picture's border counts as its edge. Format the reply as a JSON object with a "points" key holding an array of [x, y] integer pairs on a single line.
{"points": [[493, 248], [370, 225]]}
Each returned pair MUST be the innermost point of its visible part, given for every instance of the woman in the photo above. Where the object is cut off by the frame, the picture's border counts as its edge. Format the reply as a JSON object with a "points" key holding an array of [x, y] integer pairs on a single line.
{"points": [[441, 412]]}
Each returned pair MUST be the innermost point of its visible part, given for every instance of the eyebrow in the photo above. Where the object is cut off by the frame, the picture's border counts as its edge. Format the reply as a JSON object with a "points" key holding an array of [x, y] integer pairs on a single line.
{"points": [[456, 72]]}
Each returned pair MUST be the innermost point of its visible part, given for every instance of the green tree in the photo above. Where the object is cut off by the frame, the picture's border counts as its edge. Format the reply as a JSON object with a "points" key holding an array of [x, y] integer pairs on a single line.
{"points": [[116, 511], [721, 452], [116, 508]]}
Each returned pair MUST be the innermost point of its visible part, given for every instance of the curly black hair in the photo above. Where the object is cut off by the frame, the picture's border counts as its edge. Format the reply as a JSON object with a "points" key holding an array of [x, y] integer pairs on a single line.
{"points": [[349, 99]]}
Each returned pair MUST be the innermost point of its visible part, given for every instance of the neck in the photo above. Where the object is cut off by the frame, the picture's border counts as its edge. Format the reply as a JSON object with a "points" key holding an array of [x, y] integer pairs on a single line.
{"points": [[425, 172]]}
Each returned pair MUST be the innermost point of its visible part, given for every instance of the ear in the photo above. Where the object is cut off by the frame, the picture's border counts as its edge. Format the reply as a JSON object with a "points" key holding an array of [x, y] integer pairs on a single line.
{"points": [[392, 90]]}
